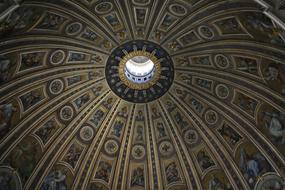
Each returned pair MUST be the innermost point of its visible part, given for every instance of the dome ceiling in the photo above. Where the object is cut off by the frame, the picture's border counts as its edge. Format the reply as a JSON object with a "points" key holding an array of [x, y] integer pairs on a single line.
{"points": [[213, 119]]}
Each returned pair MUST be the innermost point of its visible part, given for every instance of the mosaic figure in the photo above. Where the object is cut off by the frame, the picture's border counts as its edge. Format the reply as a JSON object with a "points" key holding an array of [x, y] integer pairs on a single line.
{"points": [[47, 130], [73, 80], [97, 90], [32, 60], [189, 38], [252, 166], [96, 118], [139, 133], [51, 22], [167, 22], [73, 155], [24, 158], [6, 113], [113, 20], [216, 184], [108, 103], [247, 65], [230, 135], [180, 120], [104, 171], [92, 36], [137, 178], [246, 103], [187, 79], [203, 83], [276, 126], [230, 26], [155, 113], [5, 69], [204, 160], [117, 128], [196, 105], [81, 101], [203, 61], [19, 19], [32, 98], [274, 74], [161, 130], [56, 180], [76, 57], [9, 179], [123, 112], [171, 173], [140, 116]]}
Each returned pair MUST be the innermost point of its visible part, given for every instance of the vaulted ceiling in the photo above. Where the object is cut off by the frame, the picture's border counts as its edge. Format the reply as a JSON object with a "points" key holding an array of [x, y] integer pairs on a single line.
{"points": [[221, 125]]}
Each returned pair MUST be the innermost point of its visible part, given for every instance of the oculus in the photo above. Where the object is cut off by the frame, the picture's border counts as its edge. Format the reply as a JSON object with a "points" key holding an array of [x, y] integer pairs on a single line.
{"points": [[10, 178], [139, 71]]}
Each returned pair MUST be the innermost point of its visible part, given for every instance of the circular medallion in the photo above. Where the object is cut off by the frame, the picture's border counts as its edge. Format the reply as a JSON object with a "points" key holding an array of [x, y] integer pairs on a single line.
{"points": [[211, 117], [141, 2], [56, 87], [111, 147], [178, 10], [66, 113], [138, 152], [9, 178], [104, 7], [73, 28], [206, 32], [165, 148], [139, 71], [86, 133], [191, 137], [222, 91], [57, 57], [222, 61], [270, 181]]}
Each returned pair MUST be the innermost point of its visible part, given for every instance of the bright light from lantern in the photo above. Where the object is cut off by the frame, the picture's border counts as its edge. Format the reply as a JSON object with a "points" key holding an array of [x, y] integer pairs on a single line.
{"points": [[139, 69]]}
